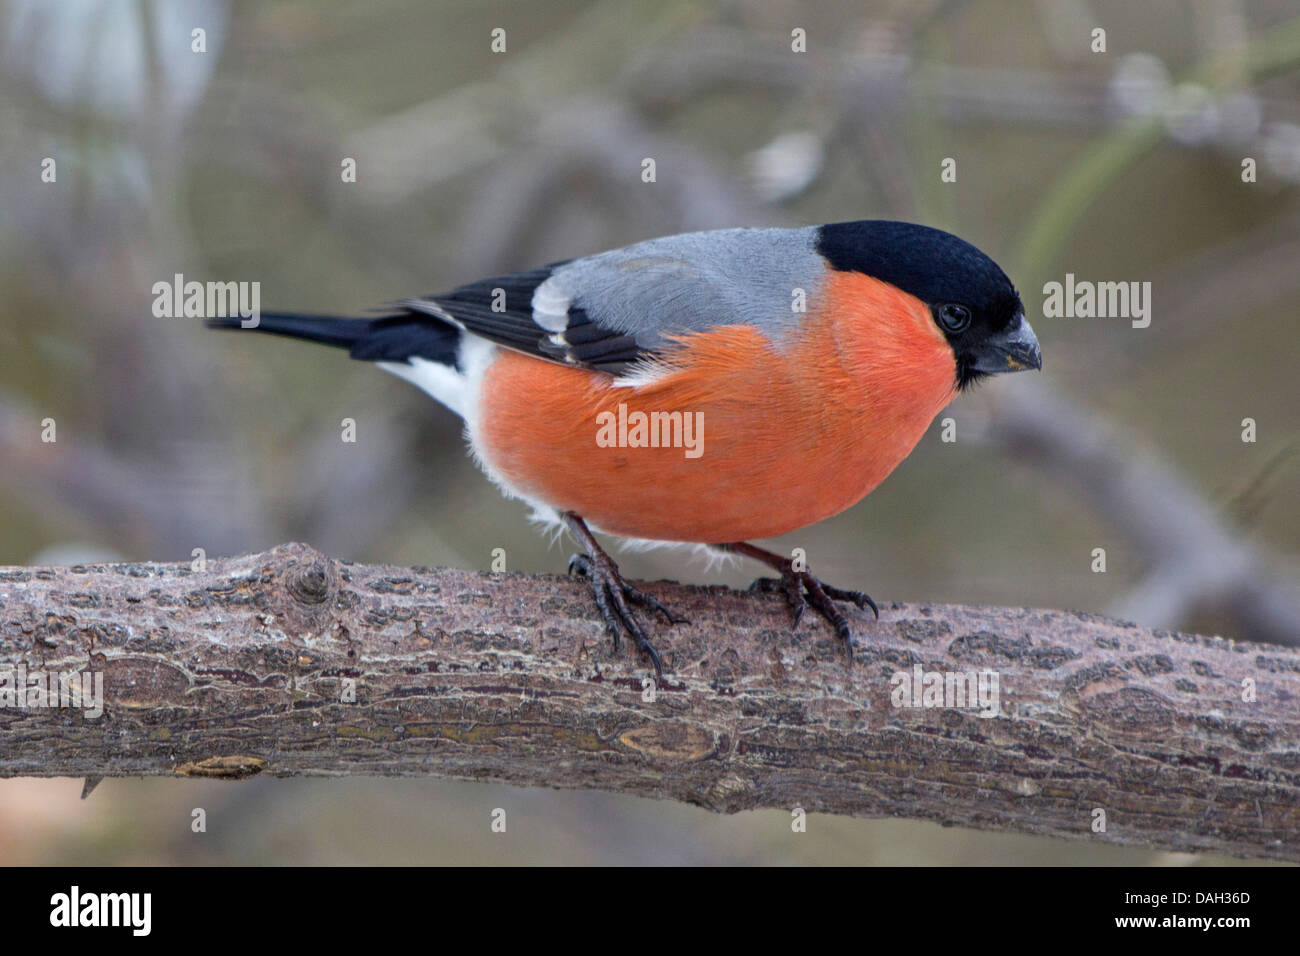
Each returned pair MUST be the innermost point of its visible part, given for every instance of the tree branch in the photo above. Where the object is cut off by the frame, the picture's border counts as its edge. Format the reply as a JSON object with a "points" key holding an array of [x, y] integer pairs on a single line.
{"points": [[245, 668]]}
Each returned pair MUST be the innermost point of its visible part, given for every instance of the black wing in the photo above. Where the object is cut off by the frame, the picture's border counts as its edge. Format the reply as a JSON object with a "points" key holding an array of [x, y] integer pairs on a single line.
{"points": [[500, 309]]}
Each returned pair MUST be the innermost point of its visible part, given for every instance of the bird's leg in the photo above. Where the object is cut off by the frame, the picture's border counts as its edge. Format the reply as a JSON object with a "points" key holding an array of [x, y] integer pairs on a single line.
{"points": [[612, 592], [795, 583]]}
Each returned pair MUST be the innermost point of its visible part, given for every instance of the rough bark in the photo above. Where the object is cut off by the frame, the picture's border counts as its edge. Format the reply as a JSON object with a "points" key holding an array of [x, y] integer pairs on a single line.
{"points": [[1183, 742]]}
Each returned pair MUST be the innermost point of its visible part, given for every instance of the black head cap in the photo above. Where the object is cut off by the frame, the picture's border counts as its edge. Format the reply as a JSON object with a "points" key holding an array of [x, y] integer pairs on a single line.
{"points": [[973, 302]]}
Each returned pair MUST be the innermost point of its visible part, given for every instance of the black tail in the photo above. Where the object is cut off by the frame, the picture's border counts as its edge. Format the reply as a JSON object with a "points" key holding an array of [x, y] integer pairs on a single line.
{"points": [[387, 338]]}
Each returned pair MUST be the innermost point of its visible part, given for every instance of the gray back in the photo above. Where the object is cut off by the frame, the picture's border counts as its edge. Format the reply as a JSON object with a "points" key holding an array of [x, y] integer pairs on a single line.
{"points": [[689, 282]]}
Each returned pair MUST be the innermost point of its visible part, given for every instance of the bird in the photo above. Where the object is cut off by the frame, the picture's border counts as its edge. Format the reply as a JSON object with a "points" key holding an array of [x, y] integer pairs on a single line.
{"points": [[708, 388]]}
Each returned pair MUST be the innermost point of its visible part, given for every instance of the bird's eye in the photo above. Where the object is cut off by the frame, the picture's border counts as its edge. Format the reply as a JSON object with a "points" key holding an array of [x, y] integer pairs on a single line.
{"points": [[954, 318]]}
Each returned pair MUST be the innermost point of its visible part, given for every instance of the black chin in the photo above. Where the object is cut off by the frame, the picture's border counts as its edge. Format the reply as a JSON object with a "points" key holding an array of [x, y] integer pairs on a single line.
{"points": [[968, 376]]}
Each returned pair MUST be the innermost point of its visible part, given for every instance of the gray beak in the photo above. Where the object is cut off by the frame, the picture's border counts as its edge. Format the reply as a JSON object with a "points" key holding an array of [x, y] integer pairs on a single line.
{"points": [[1012, 350]]}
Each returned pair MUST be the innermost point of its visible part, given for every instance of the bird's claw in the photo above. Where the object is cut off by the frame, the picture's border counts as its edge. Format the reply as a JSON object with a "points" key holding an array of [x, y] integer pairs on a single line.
{"points": [[822, 597], [612, 595]]}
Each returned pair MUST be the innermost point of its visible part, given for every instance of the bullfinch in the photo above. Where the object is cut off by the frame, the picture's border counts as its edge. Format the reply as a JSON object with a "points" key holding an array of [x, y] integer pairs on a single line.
{"points": [[706, 388]]}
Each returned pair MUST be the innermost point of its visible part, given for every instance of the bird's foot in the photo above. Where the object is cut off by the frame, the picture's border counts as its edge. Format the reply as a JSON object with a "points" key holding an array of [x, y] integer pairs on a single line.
{"points": [[801, 589], [614, 596]]}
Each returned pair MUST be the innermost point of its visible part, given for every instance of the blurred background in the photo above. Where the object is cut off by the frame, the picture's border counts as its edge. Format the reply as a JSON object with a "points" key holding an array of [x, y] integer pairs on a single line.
{"points": [[1122, 164]]}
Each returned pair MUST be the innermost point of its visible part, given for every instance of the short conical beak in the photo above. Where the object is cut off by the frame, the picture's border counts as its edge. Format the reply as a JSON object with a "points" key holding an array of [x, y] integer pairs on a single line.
{"points": [[1012, 350]]}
